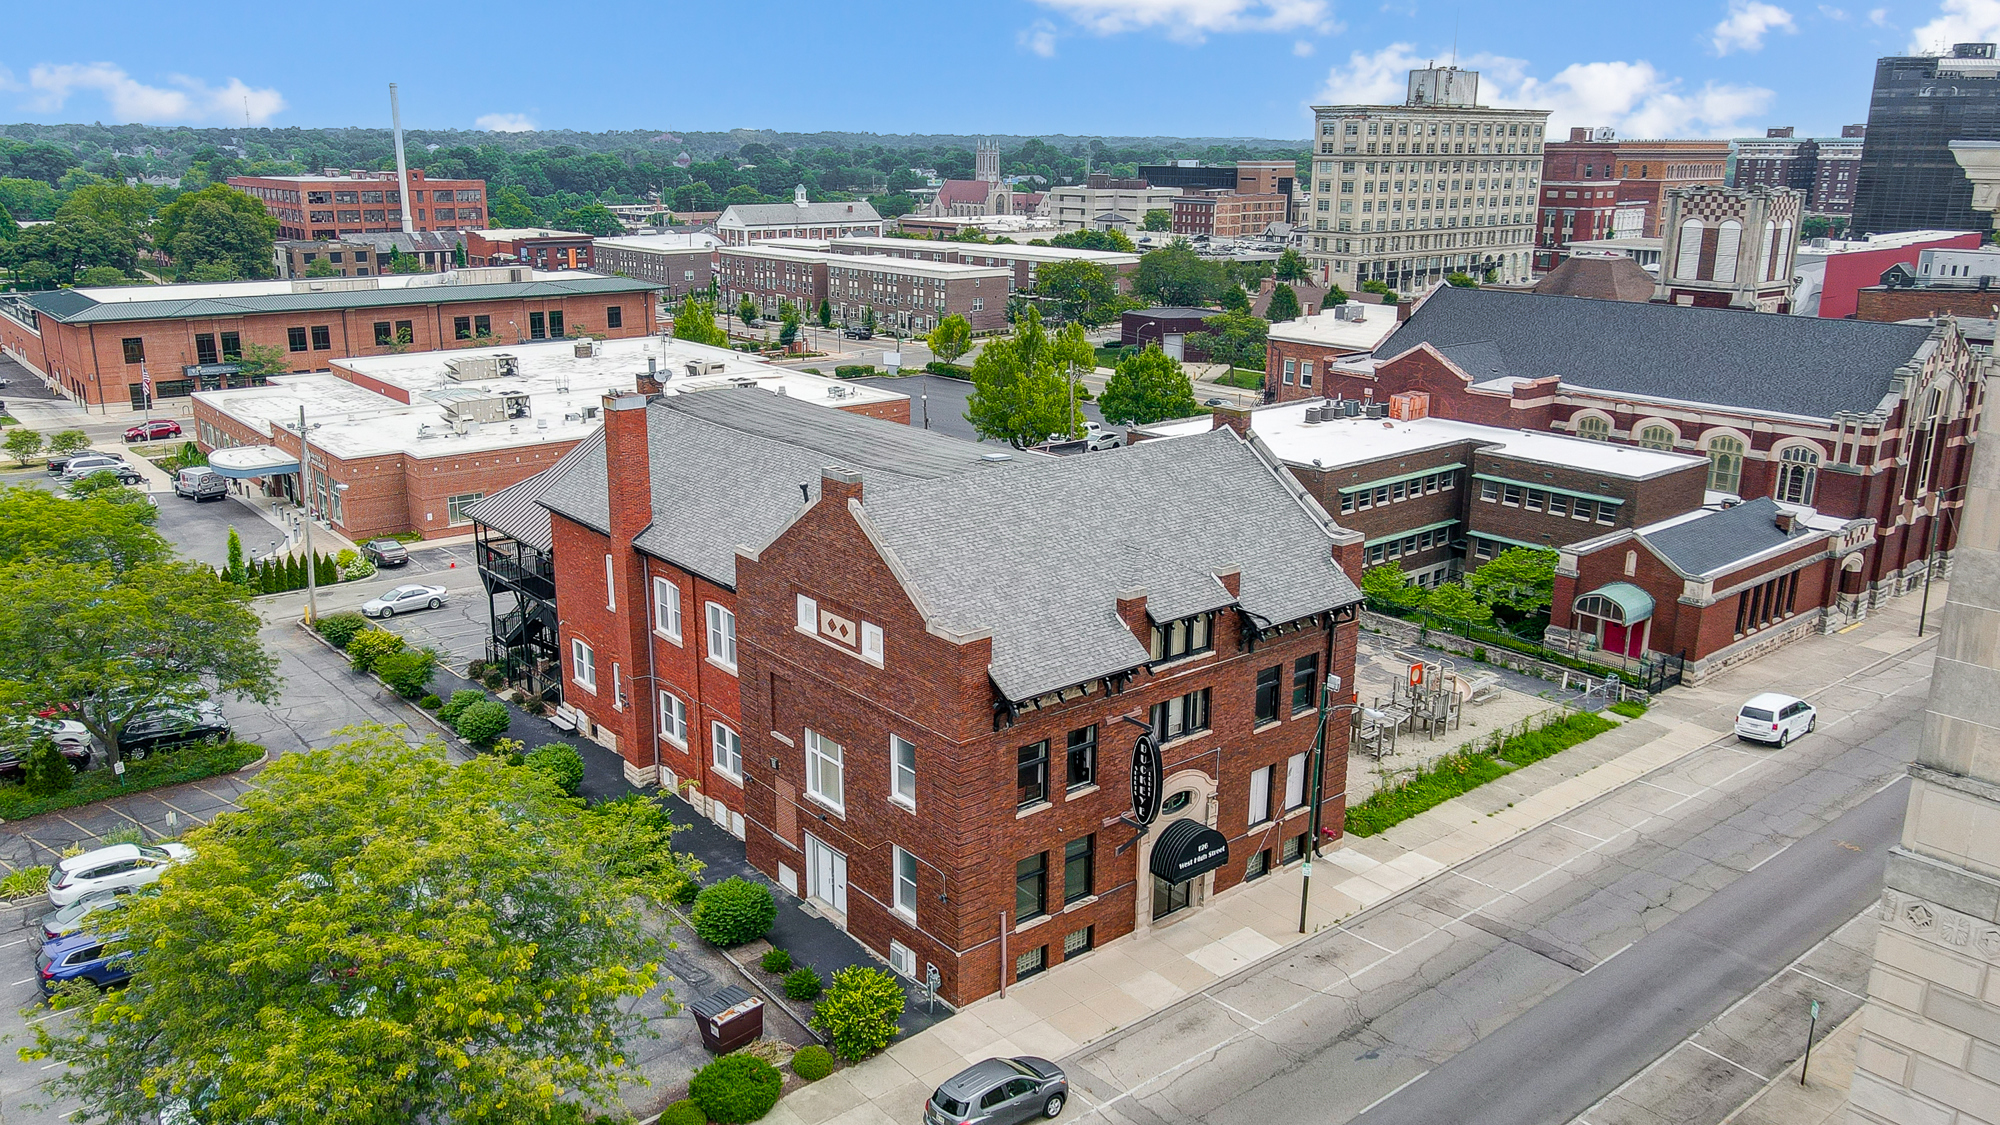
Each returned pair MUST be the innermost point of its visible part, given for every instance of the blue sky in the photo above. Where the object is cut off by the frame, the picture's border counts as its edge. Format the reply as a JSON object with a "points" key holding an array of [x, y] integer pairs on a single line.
{"points": [[1123, 67]]}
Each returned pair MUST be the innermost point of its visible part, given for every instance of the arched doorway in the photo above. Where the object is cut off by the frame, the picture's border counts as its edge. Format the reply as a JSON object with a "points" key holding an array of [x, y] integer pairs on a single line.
{"points": [[1618, 616], [1190, 796]]}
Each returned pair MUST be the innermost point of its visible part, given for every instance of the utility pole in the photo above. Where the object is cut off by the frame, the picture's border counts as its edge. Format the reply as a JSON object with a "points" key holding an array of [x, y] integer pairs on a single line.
{"points": [[1326, 689]]}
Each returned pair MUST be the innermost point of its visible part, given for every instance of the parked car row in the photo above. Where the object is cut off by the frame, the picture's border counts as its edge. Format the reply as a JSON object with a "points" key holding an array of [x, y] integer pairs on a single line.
{"points": [[88, 891], [158, 729]]}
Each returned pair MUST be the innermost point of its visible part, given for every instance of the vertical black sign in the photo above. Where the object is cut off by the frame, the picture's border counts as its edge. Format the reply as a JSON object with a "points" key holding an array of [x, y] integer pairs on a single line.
{"points": [[1146, 779]]}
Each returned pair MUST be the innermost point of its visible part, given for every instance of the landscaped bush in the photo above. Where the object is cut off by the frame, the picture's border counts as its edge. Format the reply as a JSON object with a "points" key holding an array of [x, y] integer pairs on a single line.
{"points": [[948, 370], [45, 772], [685, 892], [475, 669], [853, 370], [776, 961], [684, 1112], [812, 1063], [859, 1012], [130, 834], [408, 673], [370, 646], [561, 762], [190, 763], [340, 628], [483, 722], [494, 678], [456, 705], [24, 882], [533, 705], [734, 911], [1448, 777], [736, 1088], [1553, 737], [1629, 708], [803, 984], [430, 702]]}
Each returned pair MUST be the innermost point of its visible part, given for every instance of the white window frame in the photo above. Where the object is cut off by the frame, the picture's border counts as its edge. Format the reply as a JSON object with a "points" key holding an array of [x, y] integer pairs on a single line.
{"points": [[807, 616], [673, 719], [817, 761], [1297, 776], [725, 751], [667, 609], [903, 883], [902, 771], [1260, 794], [721, 636], [582, 660], [871, 643], [610, 586], [617, 686]]}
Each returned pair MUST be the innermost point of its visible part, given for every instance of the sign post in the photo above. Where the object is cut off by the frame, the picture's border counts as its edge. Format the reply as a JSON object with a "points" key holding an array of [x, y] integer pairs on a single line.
{"points": [[1811, 1026]]}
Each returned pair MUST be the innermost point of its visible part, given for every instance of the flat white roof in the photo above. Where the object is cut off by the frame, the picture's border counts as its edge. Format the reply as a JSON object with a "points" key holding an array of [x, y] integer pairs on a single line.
{"points": [[199, 290], [508, 234], [816, 250], [1326, 330], [666, 241], [1355, 441], [999, 250], [561, 387], [1811, 248]]}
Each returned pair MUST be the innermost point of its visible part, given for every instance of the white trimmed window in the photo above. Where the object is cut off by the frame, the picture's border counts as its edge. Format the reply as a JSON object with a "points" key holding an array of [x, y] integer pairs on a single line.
{"points": [[667, 609], [906, 884], [617, 686], [722, 636], [808, 615], [824, 770], [728, 749], [1260, 795], [1296, 777], [673, 719], [903, 771], [871, 642], [582, 664], [610, 585]]}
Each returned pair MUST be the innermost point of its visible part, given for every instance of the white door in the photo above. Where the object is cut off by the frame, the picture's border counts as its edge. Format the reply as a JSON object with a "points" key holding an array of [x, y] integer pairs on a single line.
{"points": [[1171, 343], [826, 875]]}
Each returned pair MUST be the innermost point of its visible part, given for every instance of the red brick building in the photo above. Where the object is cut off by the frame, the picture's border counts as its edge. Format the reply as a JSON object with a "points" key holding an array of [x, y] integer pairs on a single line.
{"points": [[808, 622], [1593, 189], [98, 345], [1024, 261], [333, 206], [907, 294], [529, 246], [1227, 214]]}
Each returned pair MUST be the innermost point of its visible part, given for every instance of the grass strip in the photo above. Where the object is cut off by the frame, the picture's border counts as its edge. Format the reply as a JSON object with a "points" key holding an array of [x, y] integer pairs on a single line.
{"points": [[1456, 774], [1553, 737], [170, 767]]}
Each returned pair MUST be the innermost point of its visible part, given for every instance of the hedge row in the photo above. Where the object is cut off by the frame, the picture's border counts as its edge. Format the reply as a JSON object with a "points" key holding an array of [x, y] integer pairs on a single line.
{"points": [[170, 767]]}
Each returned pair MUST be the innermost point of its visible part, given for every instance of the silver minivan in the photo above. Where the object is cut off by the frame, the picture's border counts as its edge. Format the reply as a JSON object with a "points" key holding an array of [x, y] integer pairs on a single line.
{"points": [[201, 483]]}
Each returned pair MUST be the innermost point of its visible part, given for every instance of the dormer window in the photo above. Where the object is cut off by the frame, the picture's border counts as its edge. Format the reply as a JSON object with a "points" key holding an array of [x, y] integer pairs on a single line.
{"points": [[1183, 637]]}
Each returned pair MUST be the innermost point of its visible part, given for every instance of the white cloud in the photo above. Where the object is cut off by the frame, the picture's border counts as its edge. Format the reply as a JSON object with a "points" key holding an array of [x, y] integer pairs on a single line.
{"points": [[505, 122], [1378, 79], [1958, 21], [1193, 20], [1748, 21], [1879, 17], [188, 99], [1302, 48], [1039, 37], [1837, 14]]}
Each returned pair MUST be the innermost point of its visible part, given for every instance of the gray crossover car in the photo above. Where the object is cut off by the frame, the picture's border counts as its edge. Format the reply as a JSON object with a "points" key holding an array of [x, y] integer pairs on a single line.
{"points": [[999, 1092]]}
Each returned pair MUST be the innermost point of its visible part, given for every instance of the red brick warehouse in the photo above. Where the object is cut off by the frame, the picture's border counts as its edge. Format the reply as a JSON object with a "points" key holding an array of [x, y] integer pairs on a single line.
{"points": [[322, 208]]}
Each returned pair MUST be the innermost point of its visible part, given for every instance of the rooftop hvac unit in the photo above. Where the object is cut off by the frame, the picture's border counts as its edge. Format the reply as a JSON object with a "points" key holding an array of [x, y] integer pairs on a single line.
{"points": [[1378, 410], [471, 367], [1312, 415], [510, 365], [1351, 408], [699, 367]]}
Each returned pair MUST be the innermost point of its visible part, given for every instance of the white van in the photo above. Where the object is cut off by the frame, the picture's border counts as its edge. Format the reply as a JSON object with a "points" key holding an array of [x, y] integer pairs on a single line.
{"points": [[1775, 718], [201, 483]]}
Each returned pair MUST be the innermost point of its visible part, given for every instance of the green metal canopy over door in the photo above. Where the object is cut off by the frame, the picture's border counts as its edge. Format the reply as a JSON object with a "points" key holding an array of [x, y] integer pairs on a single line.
{"points": [[1618, 615]]}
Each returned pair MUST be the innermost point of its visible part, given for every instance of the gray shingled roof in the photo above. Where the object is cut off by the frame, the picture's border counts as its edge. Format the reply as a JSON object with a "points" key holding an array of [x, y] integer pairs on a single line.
{"points": [[1040, 557], [1765, 361], [790, 214], [1719, 540], [516, 511], [72, 307]]}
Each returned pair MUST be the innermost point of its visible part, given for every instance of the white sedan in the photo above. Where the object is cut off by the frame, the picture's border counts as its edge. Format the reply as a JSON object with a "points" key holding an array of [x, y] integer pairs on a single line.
{"points": [[403, 599], [116, 868]]}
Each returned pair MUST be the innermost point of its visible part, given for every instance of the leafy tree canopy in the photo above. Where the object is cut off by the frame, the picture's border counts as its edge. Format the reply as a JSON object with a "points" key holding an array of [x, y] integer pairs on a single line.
{"points": [[217, 229], [1284, 304], [1292, 266], [951, 338], [1021, 393], [41, 527], [1081, 291], [1147, 387], [1521, 579], [1234, 338], [1175, 275], [1158, 219], [696, 321], [1114, 240]]}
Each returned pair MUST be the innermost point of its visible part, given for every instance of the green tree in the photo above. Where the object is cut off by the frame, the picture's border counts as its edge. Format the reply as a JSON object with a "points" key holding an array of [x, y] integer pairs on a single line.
{"points": [[746, 311], [217, 230], [510, 207], [1175, 275], [696, 322], [868, 317], [893, 205], [1456, 603], [1148, 387], [55, 253], [320, 267], [1388, 583], [117, 641], [40, 526], [859, 1013], [1519, 579], [1081, 291], [825, 313], [1335, 295], [28, 200], [1292, 267], [23, 445], [264, 359], [1234, 338], [1156, 219], [102, 276], [125, 208], [234, 569], [66, 442], [1021, 392], [951, 338], [1380, 289], [1112, 240], [592, 219], [1284, 304], [1461, 281], [788, 322], [293, 975], [400, 262]]}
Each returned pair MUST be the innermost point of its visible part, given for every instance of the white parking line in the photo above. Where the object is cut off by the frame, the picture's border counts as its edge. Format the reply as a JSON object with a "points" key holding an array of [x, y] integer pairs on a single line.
{"points": [[12, 944], [22, 981]]}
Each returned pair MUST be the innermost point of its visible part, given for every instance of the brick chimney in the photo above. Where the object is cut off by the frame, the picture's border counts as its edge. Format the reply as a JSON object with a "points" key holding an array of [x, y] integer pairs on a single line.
{"points": [[1132, 611], [1788, 522], [627, 471], [1350, 551], [649, 380], [1231, 578], [839, 485], [1234, 417], [1579, 133]]}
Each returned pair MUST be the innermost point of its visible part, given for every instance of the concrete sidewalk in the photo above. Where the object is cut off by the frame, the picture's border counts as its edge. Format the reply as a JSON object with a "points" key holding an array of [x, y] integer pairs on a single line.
{"points": [[1086, 999]]}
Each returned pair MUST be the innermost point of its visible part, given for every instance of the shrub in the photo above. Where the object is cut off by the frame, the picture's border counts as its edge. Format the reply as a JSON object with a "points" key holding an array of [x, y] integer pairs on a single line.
{"points": [[1630, 708], [736, 1088], [803, 984], [476, 669], [533, 705], [456, 705], [190, 763], [24, 882], [483, 722], [1446, 778], [1553, 737], [494, 678], [130, 834], [734, 911], [684, 1112], [853, 370], [562, 762], [776, 961], [685, 892], [430, 702], [370, 646], [859, 1012], [948, 370], [45, 772], [340, 628], [812, 1063], [408, 673]]}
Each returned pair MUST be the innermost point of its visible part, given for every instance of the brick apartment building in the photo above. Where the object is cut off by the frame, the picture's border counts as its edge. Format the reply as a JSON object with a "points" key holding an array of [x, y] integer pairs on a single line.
{"points": [[1228, 214], [1833, 274], [333, 206], [917, 729], [1823, 169], [1596, 188], [369, 255], [909, 295], [529, 246], [1295, 350], [1024, 261], [97, 345], [1866, 425], [679, 263]]}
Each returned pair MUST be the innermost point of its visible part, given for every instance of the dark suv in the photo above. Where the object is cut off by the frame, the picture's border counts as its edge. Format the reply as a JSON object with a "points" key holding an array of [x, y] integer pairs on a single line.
{"points": [[172, 727], [999, 1092]]}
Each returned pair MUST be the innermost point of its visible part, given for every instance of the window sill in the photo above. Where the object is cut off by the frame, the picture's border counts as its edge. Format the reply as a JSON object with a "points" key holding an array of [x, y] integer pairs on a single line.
{"points": [[731, 778], [1079, 791], [1079, 904], [591, 688], [1031, 923], [822, 803], [676, 743], [673, 637], [1181, 738], [906, 806], [1030, 810], [729, 668], [1175, 662], [783, 739], [1267, 724]]}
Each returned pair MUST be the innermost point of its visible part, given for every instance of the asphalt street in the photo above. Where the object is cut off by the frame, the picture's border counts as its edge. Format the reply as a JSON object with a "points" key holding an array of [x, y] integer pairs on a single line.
{"points": [[1374, 1006]]}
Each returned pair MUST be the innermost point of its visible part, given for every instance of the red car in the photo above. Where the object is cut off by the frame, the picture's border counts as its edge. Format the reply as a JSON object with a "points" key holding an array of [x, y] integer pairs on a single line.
{"points": [[154, 430]]}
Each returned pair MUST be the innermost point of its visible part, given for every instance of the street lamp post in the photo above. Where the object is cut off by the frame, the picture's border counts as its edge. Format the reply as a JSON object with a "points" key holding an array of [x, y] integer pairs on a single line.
{"points": [[1327, 687], [306, 498]]}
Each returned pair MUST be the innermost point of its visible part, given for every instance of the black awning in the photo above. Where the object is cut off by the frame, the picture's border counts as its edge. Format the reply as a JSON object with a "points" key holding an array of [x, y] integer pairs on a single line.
{"points": [[1186, 849]]}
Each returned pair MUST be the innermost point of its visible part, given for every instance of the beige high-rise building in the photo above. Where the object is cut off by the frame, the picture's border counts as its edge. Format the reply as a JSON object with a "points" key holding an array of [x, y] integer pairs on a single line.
{"points": [[1929, 1052], [1407, 194]]}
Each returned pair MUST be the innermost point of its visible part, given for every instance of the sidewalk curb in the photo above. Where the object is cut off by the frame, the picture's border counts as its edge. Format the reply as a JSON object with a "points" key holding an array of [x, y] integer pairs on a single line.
{"points": [[452, 741], [756, 985]]}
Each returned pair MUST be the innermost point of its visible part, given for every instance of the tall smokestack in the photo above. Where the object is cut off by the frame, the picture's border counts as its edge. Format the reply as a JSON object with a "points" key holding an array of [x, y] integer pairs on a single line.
{"points": [[402, 169]]}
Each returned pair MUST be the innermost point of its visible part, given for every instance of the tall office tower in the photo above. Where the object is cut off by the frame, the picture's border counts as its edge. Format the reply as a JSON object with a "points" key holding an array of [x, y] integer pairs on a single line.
{"points": [[1406, 194], [1908, 178]]}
